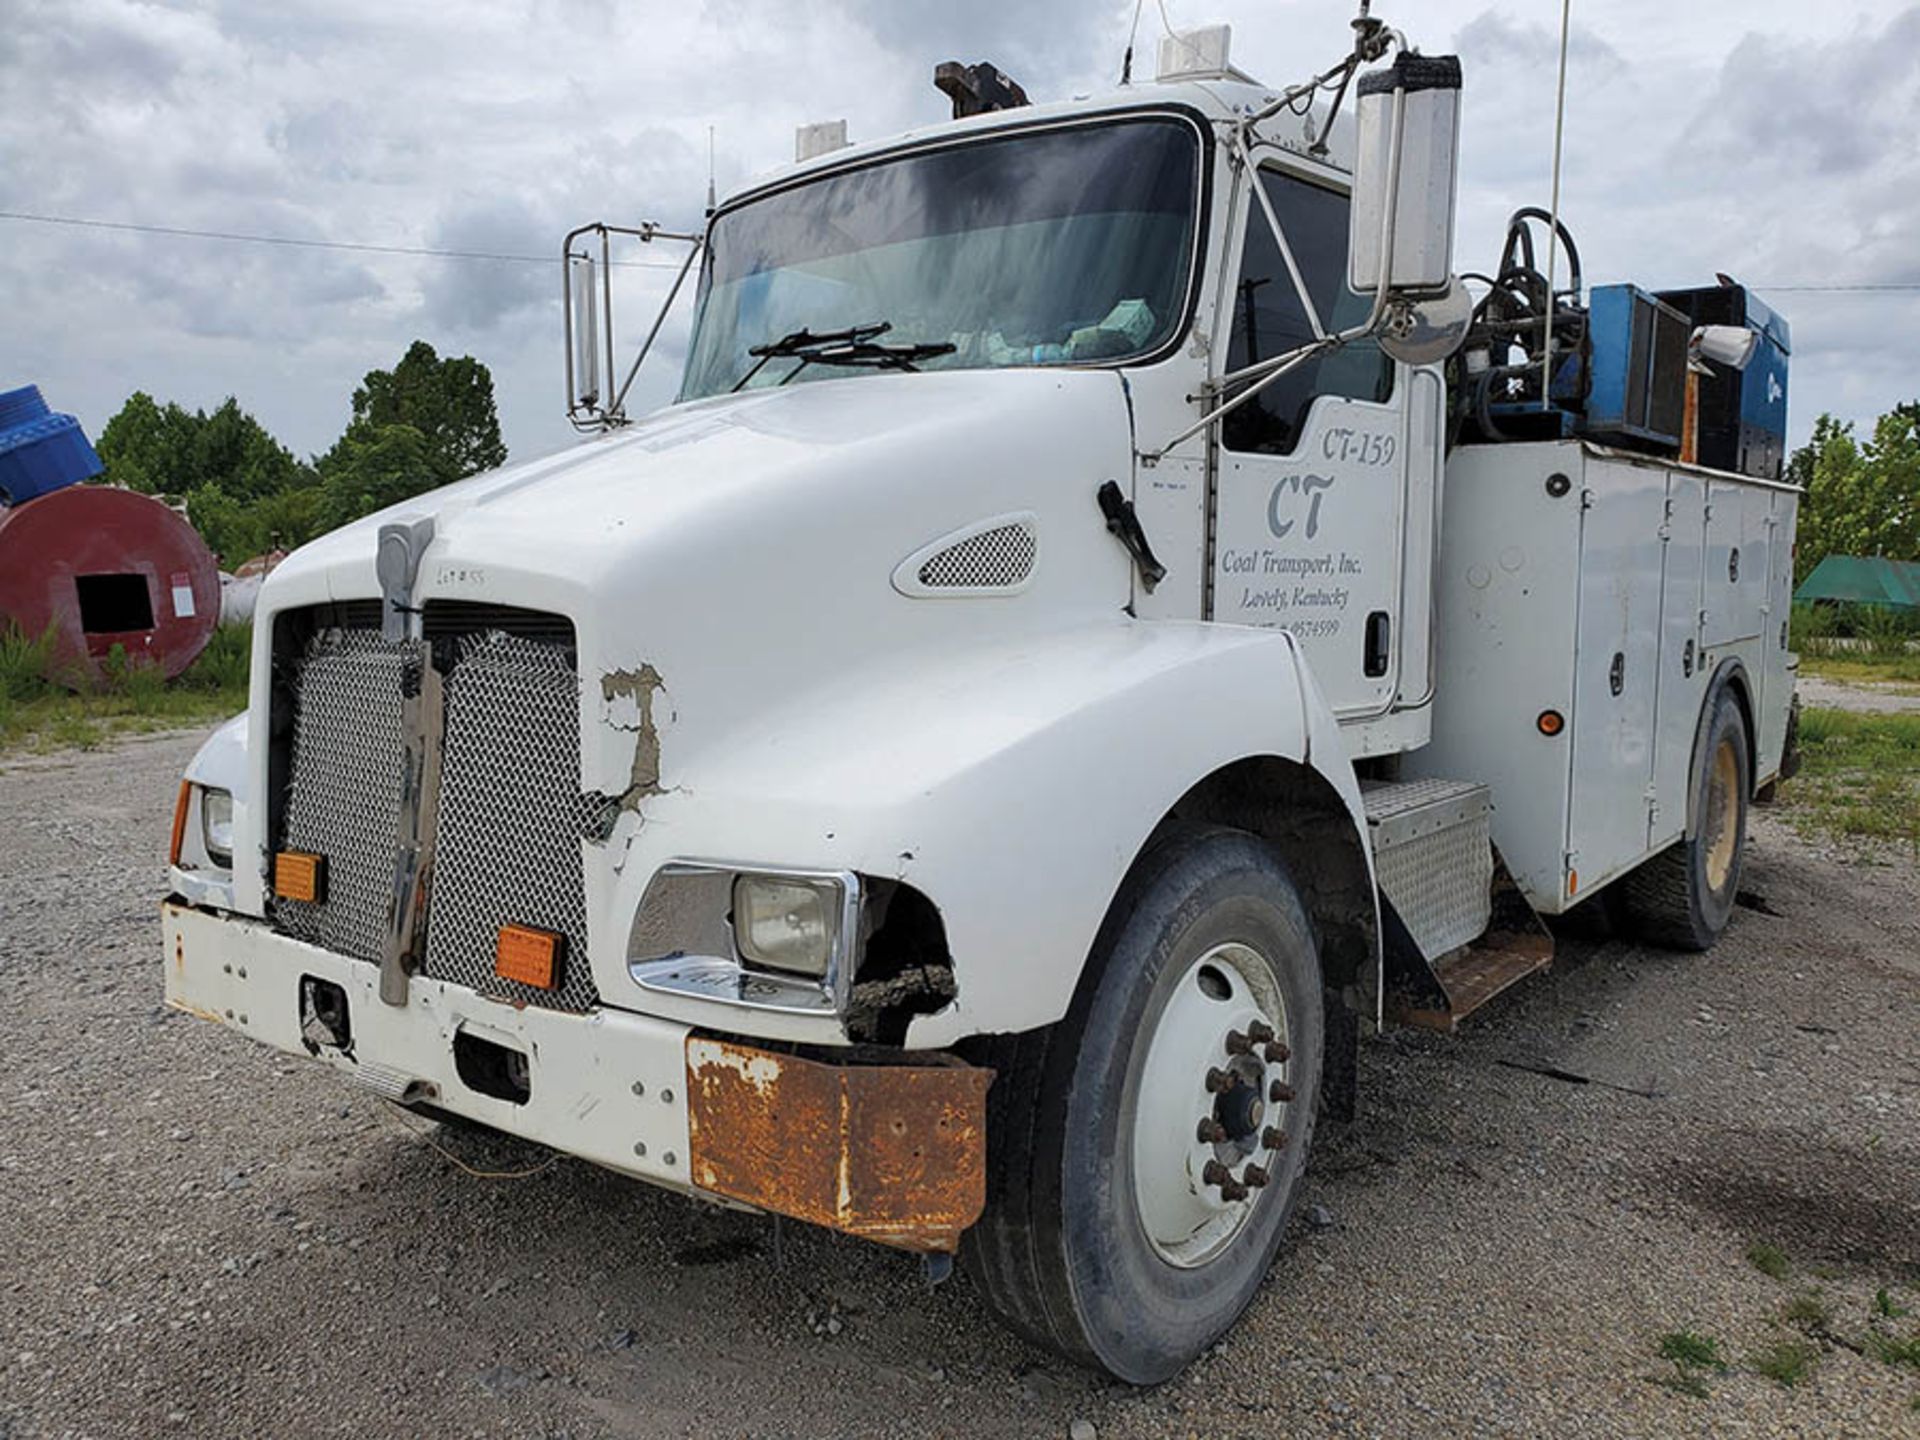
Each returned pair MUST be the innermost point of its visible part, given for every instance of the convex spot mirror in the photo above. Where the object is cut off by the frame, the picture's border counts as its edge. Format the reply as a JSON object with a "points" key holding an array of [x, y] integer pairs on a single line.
{"points": [[1405, 178]]}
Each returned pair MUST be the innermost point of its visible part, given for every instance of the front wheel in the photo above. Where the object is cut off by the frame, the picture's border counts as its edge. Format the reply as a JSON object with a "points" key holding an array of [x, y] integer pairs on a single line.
{"points": [[1146, 1153]]}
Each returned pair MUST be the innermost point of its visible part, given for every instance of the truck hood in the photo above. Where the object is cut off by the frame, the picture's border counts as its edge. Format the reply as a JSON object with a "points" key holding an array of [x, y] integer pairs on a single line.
{"points": [[744, 548], [768, 451]]}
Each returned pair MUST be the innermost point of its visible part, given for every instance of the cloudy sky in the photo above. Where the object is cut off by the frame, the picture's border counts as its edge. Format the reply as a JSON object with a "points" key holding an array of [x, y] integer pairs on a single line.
{"points": [[1772, 139]]}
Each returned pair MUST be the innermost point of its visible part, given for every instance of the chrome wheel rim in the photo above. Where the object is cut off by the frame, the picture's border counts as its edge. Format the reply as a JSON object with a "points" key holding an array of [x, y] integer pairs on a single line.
{"points": [[1215, 1101]]}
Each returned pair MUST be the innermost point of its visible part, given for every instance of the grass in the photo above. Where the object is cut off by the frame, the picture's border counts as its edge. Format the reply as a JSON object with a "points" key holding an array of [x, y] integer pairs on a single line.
{"points": [[1769, 1259], [1886, 1307], [1901, 675], [1808, 1313], [1693, 1357], [1894, 1350], [37, 714], [1860, 777], [1785, 1362]]}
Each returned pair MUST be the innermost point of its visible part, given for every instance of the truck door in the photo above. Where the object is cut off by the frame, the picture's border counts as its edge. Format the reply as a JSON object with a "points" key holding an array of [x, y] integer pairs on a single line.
{"points": [[1311, 500]]}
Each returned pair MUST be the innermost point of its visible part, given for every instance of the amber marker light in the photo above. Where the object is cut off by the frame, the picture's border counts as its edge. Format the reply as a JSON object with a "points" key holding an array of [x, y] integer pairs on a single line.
{"points": [[528, 956], [1551, 723], [179, 822], [300, 876]]}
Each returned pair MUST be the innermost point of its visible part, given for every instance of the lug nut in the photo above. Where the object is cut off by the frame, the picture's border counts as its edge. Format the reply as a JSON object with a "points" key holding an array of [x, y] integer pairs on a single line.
{"points": [[1216, 1174], [1278, 1053], [1274, 1138], [1259, 1032], [1256, 1177], [1280, 1093], [1238, 1044], [1232, 1189], [1212, 1132], [1220, 1081]]}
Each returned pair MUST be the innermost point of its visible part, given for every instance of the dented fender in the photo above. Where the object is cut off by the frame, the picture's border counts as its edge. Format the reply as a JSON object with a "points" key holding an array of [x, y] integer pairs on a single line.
{"points": [[1011, 784]]}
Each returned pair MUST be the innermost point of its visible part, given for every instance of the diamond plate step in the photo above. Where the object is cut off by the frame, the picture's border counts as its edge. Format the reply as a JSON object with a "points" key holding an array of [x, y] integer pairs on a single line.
{"points": [[1433, 857], [1475, 932]]}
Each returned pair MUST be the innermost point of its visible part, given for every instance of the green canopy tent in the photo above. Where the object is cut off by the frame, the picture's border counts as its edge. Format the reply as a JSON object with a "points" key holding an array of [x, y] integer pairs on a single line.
{"points": [[1863, 580]]}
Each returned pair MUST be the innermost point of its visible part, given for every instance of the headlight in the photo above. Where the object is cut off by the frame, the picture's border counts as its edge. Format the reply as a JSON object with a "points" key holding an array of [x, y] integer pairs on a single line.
{"points": [[787, 924], [216, 826]]}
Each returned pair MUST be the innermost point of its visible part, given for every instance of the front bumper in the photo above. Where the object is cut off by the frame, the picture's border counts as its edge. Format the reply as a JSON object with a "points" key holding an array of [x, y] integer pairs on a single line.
{"points": [[894, 1153]]}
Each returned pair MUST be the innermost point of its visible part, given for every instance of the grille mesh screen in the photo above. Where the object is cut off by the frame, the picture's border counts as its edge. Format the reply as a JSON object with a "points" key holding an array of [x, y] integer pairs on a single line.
{"points": [[343, 792], [508, 846], [993, 559]]}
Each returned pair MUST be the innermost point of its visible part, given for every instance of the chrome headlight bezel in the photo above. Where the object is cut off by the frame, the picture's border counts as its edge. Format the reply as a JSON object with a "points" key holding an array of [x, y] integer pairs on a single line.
{"points": [[685, 941], [216, 825]]}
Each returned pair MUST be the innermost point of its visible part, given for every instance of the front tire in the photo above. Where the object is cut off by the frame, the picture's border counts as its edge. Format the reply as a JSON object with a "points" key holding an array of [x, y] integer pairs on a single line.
{"points": [[1145, 1154], [1683, 897]]}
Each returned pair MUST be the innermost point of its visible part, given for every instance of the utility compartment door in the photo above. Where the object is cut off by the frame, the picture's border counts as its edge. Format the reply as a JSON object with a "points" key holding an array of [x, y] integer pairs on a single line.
{"points": [[1616, 654], [1781, 666], [1739, 535], [1311, 497], [1681, 682]]}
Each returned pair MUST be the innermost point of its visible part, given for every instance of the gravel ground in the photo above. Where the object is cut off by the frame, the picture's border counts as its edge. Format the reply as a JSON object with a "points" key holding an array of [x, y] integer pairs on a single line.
{"points": [[209, 1239], [1865, 697]]}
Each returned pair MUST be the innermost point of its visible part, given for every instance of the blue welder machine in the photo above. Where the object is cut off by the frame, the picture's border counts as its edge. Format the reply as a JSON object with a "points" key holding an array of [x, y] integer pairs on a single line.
{"points": [[1623, 361]]}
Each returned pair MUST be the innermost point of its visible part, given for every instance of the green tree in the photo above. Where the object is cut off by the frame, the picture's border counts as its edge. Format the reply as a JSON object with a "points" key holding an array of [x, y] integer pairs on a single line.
{"points": [[234, 451], [165, 450], [373, 466], [148, 447], [1863, 497], [450, 402]]}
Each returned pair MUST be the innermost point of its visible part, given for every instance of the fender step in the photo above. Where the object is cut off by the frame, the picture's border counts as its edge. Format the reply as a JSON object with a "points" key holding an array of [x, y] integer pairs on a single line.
{"points": [[1471, 977], [1433, 857], [1459, 930]]}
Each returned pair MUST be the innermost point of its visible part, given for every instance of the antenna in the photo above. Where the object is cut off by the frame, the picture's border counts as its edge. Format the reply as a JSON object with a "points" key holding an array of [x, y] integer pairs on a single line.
{"points": [[1126, 62], [713, 198], [1553, 225]]}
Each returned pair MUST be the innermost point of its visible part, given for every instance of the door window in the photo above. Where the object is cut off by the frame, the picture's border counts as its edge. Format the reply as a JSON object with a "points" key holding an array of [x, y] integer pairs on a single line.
{"points": [[1269, 318]]}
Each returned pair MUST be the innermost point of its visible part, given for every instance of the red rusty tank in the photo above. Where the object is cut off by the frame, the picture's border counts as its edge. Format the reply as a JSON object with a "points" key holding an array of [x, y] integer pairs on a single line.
{"points": [[104, 567]]}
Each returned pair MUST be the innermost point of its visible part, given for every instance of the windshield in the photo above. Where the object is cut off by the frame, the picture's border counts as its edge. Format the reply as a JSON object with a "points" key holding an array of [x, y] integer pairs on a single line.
{"points": [[1055, 247]]}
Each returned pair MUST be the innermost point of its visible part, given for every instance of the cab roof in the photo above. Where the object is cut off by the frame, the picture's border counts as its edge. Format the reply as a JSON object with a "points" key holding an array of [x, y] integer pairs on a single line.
{"points": [[1216, 101]]}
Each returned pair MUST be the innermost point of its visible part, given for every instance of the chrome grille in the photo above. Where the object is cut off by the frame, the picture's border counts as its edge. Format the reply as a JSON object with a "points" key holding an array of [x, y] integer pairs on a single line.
{"points": [[343, 790], [511, 815], [508, 842]]}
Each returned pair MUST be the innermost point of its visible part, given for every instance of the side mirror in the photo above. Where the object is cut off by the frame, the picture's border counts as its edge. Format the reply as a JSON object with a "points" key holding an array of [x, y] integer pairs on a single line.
{"points": [[1405, 178], [583, 361]]}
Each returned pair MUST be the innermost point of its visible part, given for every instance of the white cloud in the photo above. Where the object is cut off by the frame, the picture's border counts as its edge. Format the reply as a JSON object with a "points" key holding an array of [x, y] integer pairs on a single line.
{"points": [[1759, 138]]}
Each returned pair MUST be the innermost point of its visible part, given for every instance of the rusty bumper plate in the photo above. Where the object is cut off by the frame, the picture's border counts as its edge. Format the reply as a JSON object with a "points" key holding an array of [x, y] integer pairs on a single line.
{"points": [[891, 1153]]}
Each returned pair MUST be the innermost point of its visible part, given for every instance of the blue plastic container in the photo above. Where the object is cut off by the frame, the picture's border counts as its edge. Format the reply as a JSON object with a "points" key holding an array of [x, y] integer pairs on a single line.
{"points": [[39, 450]]}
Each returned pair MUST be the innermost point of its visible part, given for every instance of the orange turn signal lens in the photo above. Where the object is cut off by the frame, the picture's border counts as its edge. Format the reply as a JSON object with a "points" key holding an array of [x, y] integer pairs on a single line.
{"points": [[1551, 723], [300, 876], [528, 956], [179, 822]]}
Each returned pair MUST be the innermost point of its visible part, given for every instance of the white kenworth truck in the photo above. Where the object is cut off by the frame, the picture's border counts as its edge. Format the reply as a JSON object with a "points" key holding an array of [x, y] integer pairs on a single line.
{"points": [[1109, 620]]}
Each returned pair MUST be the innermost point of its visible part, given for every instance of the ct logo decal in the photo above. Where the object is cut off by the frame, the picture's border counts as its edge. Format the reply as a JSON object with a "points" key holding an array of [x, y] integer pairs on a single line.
{"points": [[1312, 487]]}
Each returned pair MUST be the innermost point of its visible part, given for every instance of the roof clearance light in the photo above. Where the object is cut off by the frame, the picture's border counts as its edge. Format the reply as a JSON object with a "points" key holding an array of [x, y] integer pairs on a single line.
{"points": [[1199, 55], [822, 138]]}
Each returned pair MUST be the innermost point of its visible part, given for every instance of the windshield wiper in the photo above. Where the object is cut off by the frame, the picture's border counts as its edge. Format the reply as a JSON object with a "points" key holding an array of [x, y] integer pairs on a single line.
{"points": [[853, 346]]}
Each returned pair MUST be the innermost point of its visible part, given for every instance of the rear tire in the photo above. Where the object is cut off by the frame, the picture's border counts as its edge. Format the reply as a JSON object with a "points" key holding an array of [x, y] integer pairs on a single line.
{"points": [[1683, 897], [1113, 1233]]}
